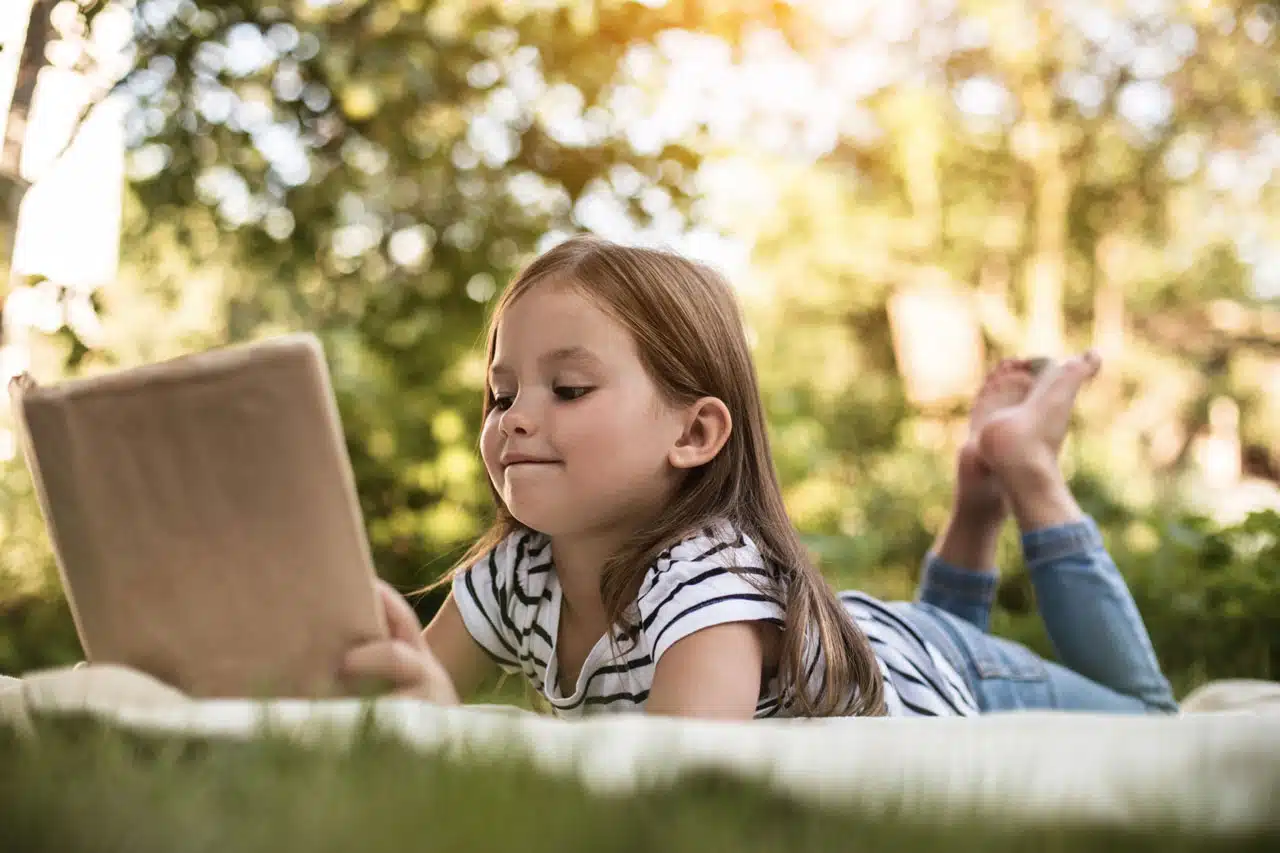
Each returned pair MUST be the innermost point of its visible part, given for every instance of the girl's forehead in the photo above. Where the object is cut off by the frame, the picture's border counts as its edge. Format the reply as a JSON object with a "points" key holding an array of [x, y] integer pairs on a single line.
{"points": [[555, 308], [553, 295], [557, 317]]}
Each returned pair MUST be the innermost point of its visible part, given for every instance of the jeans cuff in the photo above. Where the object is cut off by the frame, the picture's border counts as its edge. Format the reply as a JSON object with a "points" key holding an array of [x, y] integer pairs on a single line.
{"points": [[1054, 543], [941, 580]]}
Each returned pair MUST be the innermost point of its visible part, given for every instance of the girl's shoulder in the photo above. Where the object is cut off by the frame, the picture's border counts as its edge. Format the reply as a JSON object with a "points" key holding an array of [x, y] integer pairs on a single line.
{"points": [[716, 575], [719, 542], [718, 545]]}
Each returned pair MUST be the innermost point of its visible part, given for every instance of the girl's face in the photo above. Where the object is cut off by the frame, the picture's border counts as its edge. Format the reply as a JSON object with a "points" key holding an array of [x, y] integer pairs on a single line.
{"points": [[577, 440]]}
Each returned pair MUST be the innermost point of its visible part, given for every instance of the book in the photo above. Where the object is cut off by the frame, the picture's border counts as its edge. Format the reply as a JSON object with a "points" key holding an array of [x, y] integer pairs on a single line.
{"points": [[204, 518]]}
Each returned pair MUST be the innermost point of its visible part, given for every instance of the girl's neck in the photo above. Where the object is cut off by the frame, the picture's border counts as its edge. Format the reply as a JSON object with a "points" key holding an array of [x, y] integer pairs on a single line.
{"points": [[579, 560]]}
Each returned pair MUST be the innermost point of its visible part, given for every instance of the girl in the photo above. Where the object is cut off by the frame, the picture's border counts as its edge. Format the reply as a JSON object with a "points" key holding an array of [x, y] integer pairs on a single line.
{"points": [[642, 558]]}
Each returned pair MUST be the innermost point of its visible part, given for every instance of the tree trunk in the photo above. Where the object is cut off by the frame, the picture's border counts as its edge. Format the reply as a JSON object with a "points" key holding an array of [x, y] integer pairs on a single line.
{"points": [[1108, 300], [995, 310], [13, 187], [1047, 267]]}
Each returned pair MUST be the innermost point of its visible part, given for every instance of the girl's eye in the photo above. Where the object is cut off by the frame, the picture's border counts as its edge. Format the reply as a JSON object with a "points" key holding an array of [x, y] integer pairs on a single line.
{"points": [[502, 402], [567, 392]]}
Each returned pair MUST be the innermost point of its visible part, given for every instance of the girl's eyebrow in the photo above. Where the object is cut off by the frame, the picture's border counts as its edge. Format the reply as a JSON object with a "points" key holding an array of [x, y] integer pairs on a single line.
{"points": [[555, 356]]}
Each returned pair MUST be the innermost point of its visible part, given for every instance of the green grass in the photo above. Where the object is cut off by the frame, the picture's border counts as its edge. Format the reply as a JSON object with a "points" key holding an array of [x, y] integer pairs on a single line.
{"points": [[79, 786]]}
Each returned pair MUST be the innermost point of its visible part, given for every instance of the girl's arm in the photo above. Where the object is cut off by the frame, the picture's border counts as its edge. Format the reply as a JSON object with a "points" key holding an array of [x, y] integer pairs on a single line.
{"points": [[713, 673], [462, 657]]}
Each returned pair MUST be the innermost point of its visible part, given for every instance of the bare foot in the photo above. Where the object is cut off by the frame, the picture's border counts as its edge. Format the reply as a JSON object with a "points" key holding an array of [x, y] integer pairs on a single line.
{"points": [[1020, 444], [977, 489]]}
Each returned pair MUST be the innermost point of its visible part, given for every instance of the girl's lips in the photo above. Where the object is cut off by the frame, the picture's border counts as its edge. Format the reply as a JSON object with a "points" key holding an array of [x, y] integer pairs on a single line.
{"points": [[509, 459]]}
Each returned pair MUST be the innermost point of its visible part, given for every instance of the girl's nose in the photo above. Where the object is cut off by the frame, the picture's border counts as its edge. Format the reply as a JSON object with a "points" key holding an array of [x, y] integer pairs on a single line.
{"points": [[517, 420]]}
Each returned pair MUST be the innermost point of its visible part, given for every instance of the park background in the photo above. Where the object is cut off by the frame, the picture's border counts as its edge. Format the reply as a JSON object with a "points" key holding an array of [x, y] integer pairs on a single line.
{"points": [[901, 193]]}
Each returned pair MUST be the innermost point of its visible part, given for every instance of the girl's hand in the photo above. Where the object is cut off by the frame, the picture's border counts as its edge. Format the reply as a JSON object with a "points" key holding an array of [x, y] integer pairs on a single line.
{"points": [[402, 661]]}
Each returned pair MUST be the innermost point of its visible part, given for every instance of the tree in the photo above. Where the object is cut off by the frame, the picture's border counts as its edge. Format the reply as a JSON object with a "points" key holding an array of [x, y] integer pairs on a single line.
{"points": [[35, 37], [1085, 175]]}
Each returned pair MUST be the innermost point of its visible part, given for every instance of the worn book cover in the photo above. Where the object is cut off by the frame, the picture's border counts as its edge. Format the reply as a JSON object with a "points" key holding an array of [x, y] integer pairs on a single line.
{"points": [[204, 518]]}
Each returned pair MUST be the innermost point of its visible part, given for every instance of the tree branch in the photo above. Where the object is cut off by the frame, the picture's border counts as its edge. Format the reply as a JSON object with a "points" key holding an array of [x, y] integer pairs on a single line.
{"points": [[1222, 323]]}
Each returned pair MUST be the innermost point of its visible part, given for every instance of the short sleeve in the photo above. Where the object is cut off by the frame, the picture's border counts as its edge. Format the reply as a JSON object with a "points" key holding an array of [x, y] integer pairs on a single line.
{"points": [[708, 581], [483, 595]]}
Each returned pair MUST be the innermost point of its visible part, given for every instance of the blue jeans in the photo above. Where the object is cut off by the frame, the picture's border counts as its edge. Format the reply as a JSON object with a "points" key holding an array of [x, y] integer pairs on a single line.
{"points": [[1108, 664]]}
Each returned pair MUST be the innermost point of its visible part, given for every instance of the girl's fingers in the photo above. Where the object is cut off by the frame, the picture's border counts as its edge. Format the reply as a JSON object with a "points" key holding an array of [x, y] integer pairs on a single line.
{"points": [[402, 622], [393, 662], [402, 663]]}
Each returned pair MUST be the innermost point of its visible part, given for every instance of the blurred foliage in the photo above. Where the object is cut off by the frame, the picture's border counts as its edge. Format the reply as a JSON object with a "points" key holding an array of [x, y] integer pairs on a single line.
{"points": [[1043, 160], [375, 170], [1213, 596]]}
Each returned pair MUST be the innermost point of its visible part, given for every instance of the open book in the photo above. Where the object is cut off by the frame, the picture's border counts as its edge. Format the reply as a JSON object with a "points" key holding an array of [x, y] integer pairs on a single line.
{"points": [[204, 518]]}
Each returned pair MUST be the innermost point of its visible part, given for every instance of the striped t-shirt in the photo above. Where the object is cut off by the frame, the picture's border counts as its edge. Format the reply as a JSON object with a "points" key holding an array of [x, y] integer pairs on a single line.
{"points": [[510, 602]]}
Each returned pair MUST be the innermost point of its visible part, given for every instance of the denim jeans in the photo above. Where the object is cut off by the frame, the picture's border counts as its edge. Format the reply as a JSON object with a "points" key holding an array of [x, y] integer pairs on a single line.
{"points": [[1107, 662]]}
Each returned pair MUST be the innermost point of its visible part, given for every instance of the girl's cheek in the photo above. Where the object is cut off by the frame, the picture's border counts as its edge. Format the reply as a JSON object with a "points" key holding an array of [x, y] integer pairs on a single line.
{"points": [[583, 424], [490, 441]]}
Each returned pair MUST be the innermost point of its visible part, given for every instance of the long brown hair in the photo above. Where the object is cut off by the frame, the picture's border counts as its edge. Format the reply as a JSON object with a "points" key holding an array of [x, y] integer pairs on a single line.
{"points": [[689, 333]]}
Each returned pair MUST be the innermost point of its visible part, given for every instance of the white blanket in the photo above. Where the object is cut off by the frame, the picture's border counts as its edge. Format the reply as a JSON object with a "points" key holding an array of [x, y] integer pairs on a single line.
{"points": [[1215, 773]]}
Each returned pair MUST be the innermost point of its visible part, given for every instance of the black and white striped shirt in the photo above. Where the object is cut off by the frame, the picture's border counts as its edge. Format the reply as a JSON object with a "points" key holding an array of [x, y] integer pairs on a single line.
{"points": [[510, 602]]}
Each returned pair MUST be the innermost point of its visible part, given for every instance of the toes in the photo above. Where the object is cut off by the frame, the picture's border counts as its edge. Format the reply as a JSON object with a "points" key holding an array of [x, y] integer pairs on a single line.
{"points": [[1037, 365], [1061, 382], [1016, 375], [993, 376], [1083, 366], [1022, 383], [1013, 382]]}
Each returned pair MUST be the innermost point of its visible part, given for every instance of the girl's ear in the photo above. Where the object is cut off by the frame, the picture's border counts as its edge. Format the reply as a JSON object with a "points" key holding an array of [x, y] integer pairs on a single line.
{"points": [[707, 428]]}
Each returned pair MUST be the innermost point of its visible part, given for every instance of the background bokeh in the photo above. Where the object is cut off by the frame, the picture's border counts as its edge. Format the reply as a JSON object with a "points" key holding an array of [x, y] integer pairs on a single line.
{"points": [[902, 193]]}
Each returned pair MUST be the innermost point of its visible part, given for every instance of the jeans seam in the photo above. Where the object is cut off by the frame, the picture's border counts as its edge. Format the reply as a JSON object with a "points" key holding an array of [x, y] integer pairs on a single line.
{"points": [[964, 655], [966, 585], [1054, 543]]}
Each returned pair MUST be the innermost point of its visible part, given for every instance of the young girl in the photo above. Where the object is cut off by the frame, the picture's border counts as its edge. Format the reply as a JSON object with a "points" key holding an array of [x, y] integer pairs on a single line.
{"points": [[642, 558]]}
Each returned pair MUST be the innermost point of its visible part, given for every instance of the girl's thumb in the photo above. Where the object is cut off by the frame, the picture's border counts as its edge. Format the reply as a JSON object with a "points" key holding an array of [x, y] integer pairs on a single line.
{"points": [[402, 622]]}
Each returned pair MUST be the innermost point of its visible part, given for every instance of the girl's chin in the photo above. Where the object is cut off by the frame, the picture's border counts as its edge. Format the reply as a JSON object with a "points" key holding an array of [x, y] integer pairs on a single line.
{"points": [[534, 514]]}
